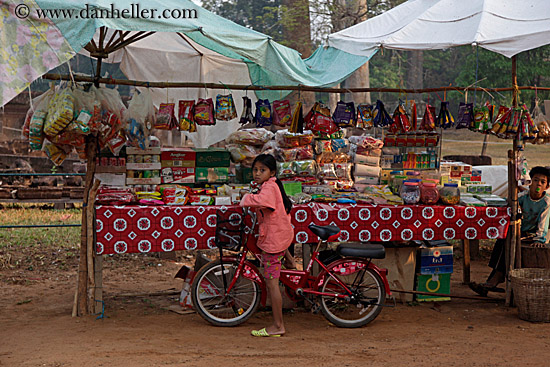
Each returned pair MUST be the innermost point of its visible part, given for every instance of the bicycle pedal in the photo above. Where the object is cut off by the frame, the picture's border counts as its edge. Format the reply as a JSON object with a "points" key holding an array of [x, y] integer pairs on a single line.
{"points": [[315, 309]]}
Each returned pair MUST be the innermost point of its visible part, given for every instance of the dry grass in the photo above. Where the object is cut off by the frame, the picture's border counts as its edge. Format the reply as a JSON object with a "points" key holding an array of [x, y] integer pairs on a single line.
{"points": [[465, 142]]}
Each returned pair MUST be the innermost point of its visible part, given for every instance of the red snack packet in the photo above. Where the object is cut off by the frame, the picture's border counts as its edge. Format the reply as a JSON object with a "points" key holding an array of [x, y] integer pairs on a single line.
{"points": [[282, 115], [186, 114], [165, 116], [204, 112]]}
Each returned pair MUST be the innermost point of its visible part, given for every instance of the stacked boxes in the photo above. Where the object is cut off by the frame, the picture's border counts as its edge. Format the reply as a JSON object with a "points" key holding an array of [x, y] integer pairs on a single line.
{"points": [[143, 168], [178, 165], [435, 269], [212, 165]]}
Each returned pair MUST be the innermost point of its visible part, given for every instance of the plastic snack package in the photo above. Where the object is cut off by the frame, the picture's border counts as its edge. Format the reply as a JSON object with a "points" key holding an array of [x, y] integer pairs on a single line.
{"points": [[116, 143], [344, 114], [343, 171], [340, 145], [428, 120], [322, 146], [165, 116], [258, 136], [364, 116], [444, 120], [247, 117], [305, 168], [286, 154], [36, 134], [60, 112], [186, 112], [263, 113], [204, 112], [380, 117], [304, 152], [465, 116], [225, 107], [327, 171], [282, 115], [56, 154], [285, 169], [240, 152]]}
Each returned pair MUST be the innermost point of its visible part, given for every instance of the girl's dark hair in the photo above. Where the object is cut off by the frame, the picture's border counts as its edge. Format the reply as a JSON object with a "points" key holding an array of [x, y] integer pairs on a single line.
{"points": [[269, 161]]}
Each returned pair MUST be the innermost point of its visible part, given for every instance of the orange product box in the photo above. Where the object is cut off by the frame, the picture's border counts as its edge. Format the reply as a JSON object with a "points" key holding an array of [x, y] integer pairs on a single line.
{"points": [[178, 157]]}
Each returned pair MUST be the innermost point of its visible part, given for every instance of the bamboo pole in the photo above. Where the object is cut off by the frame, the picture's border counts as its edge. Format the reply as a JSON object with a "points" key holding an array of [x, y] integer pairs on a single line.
{"points": [[303, 88], [90, 244]]}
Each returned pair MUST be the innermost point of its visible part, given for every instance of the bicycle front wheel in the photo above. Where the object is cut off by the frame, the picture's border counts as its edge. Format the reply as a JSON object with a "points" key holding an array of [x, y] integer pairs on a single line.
{"points": [[211, 302], [365, 301]]}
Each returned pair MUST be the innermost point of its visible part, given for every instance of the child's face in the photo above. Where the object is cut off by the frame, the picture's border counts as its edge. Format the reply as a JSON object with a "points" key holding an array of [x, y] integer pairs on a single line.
{"points": [[261, 173], [539, 183]]}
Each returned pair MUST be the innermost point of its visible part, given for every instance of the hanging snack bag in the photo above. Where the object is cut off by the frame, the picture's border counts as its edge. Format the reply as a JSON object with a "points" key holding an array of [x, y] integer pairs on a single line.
{"points": [[247, 117], [56, 154], [60, 112], [344, 114], [380, 117], [263, 113], [36, 135], [414, 116], [165, 116], [428, 120], [204, 112], [364, 116], [444, 120], [503, 116], [225, 107], [298, 121], [465, 115], [186, 118], [282, 113]]}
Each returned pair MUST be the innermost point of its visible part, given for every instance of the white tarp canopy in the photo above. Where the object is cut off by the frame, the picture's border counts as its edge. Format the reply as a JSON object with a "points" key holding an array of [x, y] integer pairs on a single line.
{"points": [[167, 56], [507, 27]]}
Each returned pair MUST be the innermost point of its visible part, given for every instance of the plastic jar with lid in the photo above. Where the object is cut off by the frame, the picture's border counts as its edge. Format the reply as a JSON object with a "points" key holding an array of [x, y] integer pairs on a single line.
{"points": [[429, 194], [396, 183], [410, 192], [450, 194]]}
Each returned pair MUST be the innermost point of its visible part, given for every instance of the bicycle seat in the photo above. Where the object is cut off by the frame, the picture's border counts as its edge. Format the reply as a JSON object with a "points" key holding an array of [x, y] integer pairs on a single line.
{"points": [[358, 249], [324, 232]]}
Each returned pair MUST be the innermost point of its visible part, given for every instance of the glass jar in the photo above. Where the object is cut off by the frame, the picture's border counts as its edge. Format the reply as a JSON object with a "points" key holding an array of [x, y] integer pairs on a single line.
{"points": [[450, 194], [429, 194], [410, 192], [396, 183]]}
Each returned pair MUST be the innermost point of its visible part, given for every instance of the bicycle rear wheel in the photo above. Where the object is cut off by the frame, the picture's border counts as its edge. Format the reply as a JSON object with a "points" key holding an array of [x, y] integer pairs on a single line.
{"points": [[365, 302], [210, 301]]}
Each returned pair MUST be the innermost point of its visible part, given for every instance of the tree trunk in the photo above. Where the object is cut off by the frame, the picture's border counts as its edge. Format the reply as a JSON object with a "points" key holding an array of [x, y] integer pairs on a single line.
{"points": [[346, 14], [297, 35], [415, 72]]}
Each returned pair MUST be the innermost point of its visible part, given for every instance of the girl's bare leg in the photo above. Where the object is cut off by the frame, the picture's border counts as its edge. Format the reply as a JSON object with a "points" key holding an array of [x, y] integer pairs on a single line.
{"points": [[274, 292]]}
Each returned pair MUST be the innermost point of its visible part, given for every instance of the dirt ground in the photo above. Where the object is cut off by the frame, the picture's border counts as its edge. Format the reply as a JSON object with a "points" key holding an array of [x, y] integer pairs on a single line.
{"points": [[36, 328]]}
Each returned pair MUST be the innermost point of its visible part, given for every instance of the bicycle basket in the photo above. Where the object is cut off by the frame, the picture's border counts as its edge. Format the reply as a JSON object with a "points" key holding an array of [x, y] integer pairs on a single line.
{"points": [[229, 229]]}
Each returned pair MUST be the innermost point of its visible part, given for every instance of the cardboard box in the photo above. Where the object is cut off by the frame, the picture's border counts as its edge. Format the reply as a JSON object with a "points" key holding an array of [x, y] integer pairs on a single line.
{"points": [[143, 181], [212, 174], [401, 265], [112, 179], [178, 157], [212, 157], [433, 283], [177, 175], [244, 174], [436, 260], [143, 166], [149, 151]]}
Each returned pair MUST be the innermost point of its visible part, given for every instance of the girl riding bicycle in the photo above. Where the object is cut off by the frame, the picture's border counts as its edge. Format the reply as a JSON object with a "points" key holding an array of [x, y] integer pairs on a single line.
{"points": [[275, 233]]}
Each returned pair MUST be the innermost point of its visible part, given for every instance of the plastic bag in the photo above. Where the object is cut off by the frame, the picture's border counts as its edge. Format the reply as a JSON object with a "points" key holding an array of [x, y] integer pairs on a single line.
{"points": [[282, 113], [225, 107], [240, 152], [344, 114], [204, 112], [165, 117], [56, 153], [304, 152], [286, 154], [263, 113], [297, 124], [88, 109], [247, 117], [39, 103], [364, 116], [327, 171], [401, 122], [305, 168], [258, 136], [110, 100], [481, 120], [139, 114], [186, 112]]}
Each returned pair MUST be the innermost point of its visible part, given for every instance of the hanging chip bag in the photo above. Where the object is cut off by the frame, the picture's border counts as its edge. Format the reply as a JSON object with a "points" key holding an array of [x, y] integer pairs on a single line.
{"points": [[225, 107], [204, 112], [186, 116], [282, 113], [263, 113]]}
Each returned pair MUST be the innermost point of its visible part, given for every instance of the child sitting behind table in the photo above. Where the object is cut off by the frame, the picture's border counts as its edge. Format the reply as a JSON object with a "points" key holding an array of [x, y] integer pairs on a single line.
{"points": [[535, 207]]}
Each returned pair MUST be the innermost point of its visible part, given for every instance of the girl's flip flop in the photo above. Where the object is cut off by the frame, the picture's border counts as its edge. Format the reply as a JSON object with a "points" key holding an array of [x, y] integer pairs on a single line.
{"points": [[263, 333]]}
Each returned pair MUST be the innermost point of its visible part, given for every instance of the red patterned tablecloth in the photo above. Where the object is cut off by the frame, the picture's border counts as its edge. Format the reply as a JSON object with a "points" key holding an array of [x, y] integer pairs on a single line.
{"points": [[134, 229]]}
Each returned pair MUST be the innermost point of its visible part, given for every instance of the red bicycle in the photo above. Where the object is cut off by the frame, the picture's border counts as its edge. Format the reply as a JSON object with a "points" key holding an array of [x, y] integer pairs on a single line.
{"points": [[349, 291]]}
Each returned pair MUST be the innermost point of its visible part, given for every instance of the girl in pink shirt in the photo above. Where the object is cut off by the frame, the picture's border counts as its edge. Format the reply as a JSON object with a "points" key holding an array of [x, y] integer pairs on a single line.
{"points": [[275, 230]]}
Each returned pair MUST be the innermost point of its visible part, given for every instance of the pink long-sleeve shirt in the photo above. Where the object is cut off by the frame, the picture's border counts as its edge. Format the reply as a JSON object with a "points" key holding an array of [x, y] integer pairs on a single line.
{"points": [[275, 228]]}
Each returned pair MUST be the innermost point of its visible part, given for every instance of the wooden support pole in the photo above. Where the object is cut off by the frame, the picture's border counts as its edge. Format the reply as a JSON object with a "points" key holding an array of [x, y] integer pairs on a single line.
{"points": [[90, 245]]}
